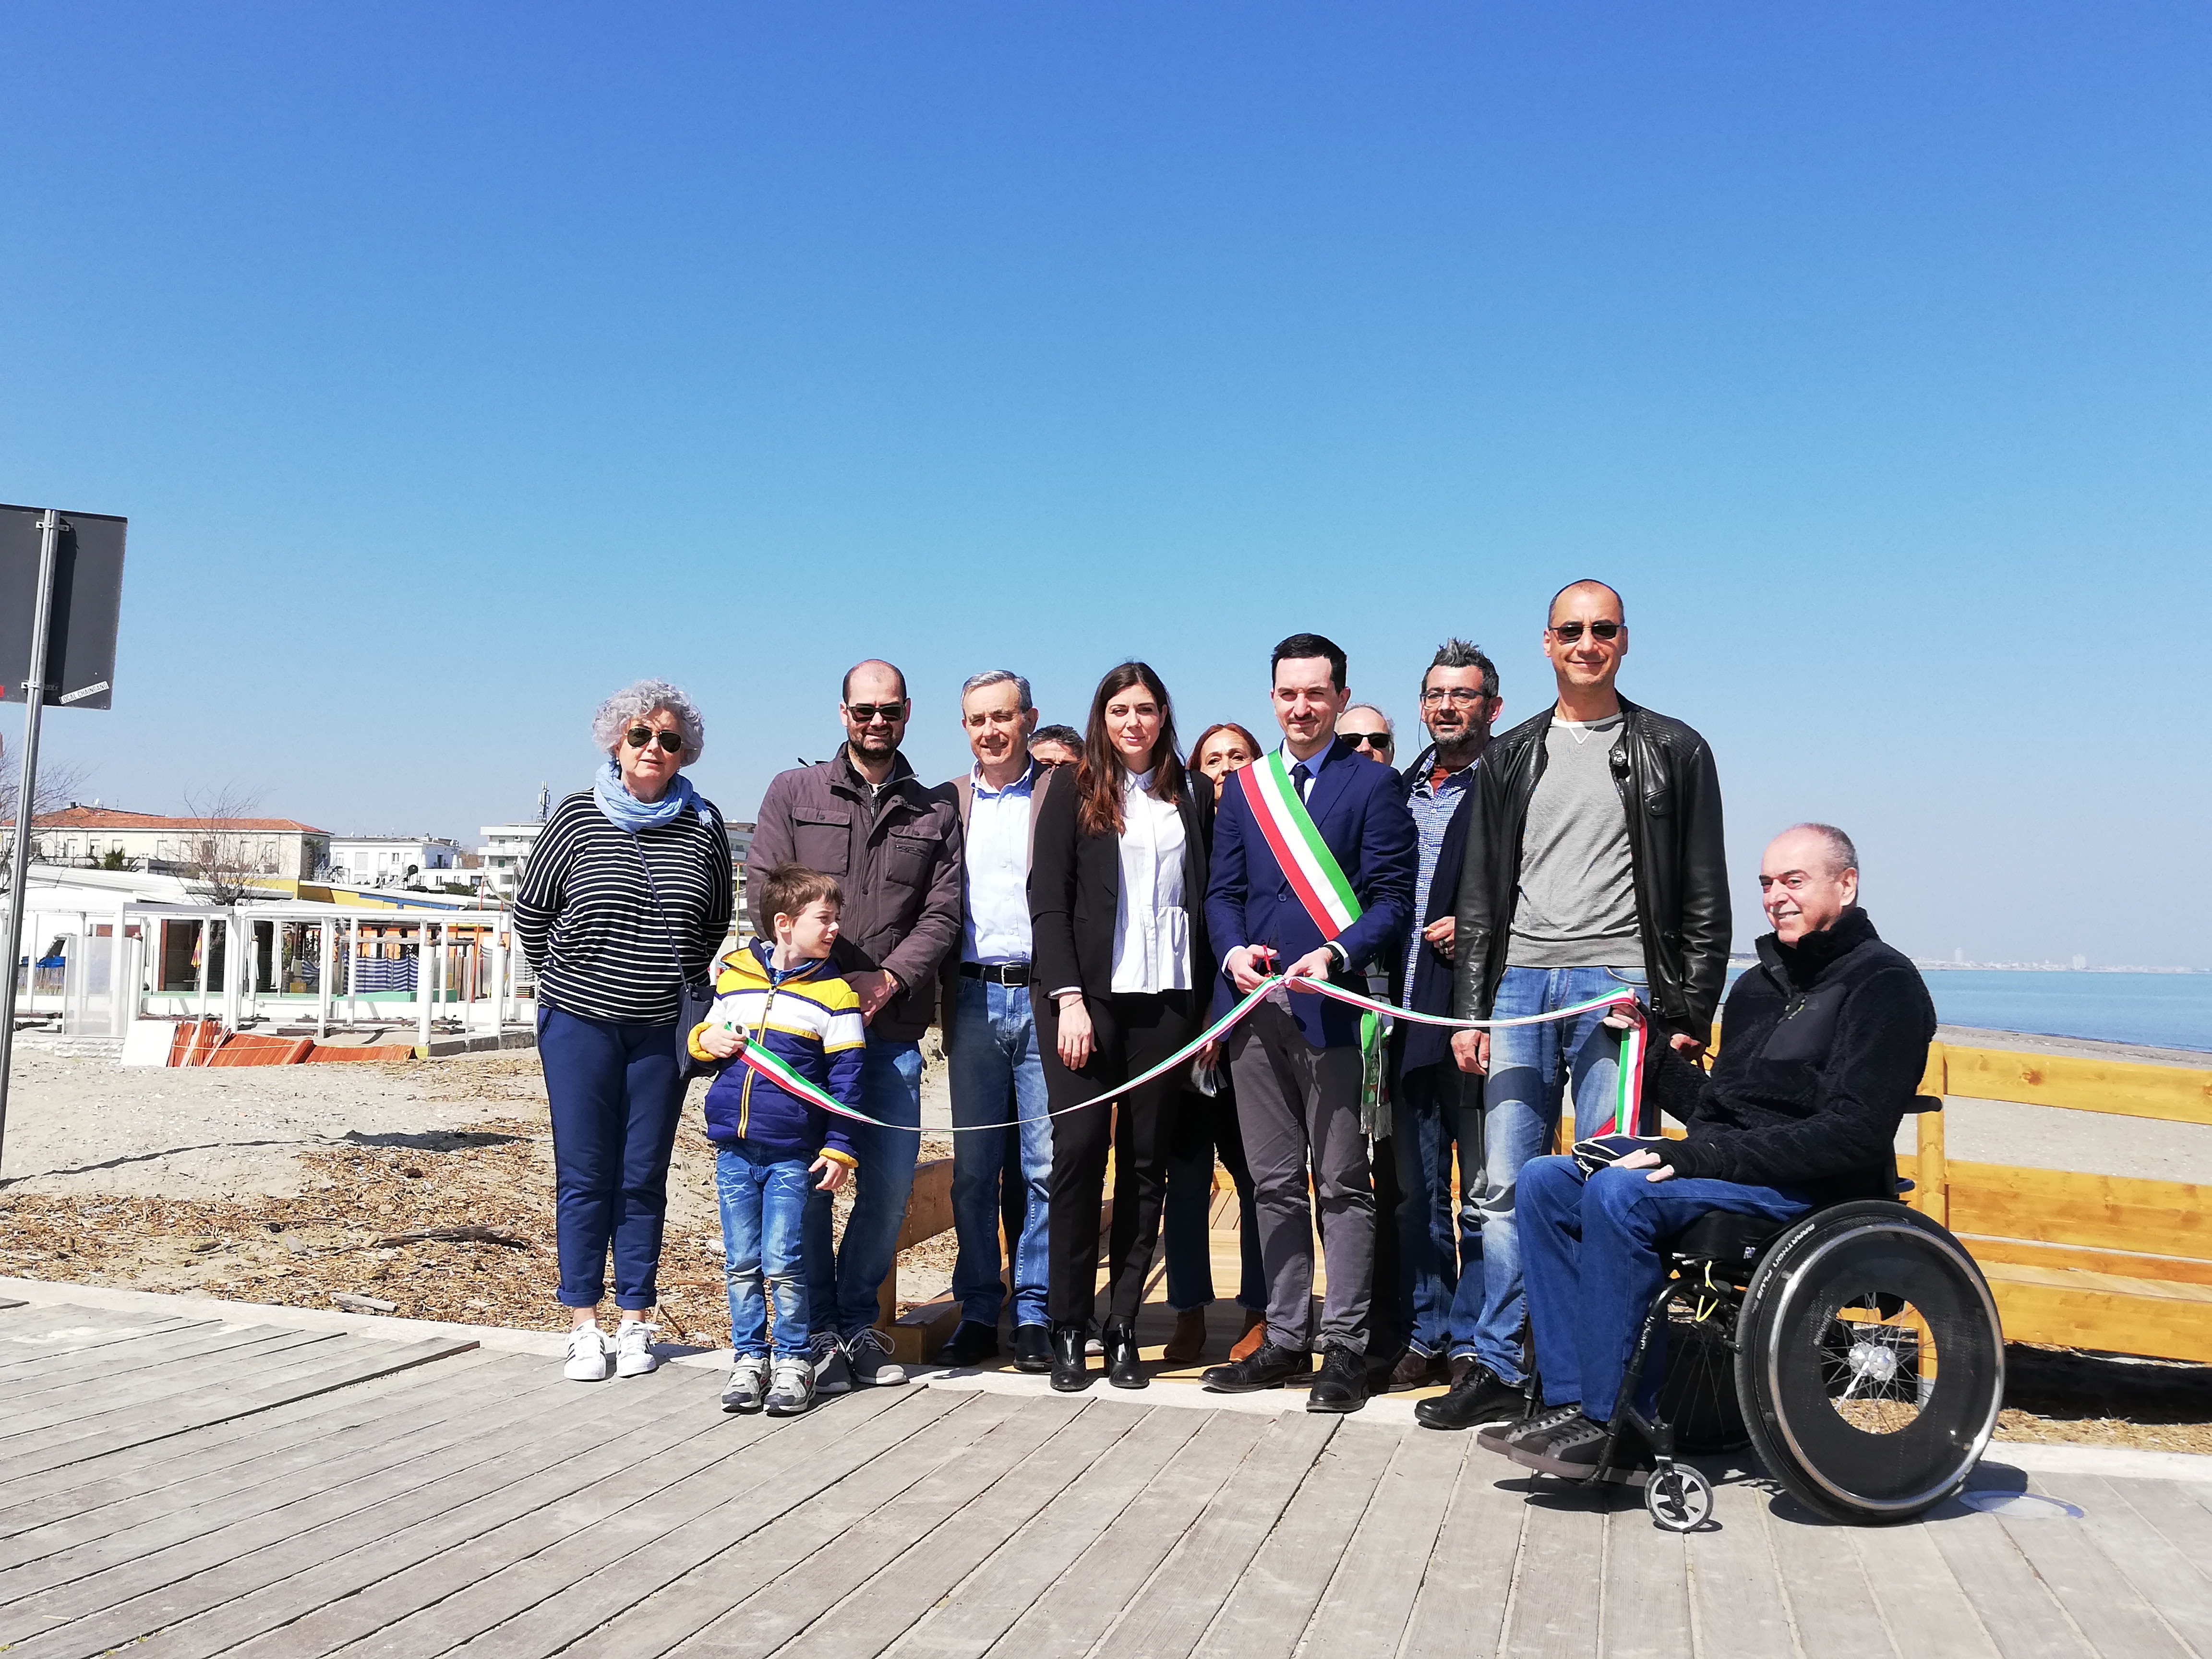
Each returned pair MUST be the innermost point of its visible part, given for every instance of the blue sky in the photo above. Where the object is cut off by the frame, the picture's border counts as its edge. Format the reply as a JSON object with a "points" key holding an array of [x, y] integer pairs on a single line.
{"points": [[457, 365]]}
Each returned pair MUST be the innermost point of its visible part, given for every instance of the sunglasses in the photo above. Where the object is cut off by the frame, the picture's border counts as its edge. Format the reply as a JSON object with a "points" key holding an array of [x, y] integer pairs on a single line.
{"points": [[864, 714], [638, 736], [1568, 633], [1369, 740]]}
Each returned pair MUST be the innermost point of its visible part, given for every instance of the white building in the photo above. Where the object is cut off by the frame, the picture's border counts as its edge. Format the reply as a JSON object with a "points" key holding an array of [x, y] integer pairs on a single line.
{"points": [[506, 849], [84, 836], [392, 860]]}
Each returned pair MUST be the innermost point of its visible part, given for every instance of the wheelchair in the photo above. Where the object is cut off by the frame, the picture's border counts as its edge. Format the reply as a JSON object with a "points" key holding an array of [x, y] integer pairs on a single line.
{"points": [[1858, 1349]]}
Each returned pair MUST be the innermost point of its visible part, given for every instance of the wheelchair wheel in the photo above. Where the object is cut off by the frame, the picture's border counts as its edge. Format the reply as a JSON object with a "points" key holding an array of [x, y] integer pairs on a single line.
{"points": [[1678, 1498], [1697, 1391], [1870, 1362]]}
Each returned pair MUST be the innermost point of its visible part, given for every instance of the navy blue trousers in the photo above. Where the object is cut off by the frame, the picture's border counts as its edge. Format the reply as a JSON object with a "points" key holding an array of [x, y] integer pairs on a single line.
{"points": [[616, 1102]]}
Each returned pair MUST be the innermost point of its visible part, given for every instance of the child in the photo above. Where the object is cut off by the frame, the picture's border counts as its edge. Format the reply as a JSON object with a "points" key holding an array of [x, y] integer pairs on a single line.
{"points": [[783, 995]]}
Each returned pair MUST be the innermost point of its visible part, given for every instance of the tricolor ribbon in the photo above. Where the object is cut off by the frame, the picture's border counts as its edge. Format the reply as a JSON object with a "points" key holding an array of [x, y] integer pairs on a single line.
{"points": [[1628, 1099]]}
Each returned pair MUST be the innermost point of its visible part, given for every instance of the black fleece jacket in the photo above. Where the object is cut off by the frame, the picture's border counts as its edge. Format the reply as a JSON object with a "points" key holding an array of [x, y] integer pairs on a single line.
{"points": [[1822, 1045]]}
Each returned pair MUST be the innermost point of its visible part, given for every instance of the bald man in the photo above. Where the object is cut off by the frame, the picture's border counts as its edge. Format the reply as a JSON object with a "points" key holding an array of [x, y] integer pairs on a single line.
{"points": [[1594, 863]]}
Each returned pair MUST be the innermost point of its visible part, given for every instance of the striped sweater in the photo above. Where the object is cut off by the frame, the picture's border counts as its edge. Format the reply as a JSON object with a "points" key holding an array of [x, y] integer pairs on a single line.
{"points": [[600, 946], [808, 1017]]}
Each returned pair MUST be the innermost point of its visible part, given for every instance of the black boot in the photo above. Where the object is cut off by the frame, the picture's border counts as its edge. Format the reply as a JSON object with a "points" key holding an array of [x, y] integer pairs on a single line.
{"points": [[1070, 1372], [1032, 1348], [1478, 1397], [1342, 1384], [1123, 1369], [1267, 1367]]}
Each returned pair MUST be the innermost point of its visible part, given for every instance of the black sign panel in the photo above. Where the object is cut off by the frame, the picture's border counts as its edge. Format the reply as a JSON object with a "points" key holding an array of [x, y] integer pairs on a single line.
{"points": [[79, 667]]}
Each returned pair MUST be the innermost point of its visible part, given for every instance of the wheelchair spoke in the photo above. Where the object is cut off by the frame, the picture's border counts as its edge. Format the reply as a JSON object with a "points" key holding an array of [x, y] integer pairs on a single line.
{"points": [[1877, 1362]]}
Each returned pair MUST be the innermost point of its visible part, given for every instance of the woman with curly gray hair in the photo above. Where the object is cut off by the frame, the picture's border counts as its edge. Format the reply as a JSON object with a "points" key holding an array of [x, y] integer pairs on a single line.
{"points": [[626, 900]]}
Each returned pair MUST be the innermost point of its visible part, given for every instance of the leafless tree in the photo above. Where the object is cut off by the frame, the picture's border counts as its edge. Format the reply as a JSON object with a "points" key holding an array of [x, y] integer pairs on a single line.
{"points": [[221, 861], [59, 785]]}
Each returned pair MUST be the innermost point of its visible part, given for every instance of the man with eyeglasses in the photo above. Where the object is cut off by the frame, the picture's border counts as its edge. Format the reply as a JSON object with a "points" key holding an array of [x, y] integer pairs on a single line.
{"points": [[1594, 861], [863, 816]]}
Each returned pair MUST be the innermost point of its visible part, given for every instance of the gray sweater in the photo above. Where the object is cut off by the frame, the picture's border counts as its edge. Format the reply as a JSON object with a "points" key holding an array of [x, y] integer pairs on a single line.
{"points": [[1577, 901]]}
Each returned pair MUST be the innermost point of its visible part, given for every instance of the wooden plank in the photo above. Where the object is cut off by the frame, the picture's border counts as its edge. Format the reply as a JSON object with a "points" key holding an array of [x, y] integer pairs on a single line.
{"points": [[1644, 1607], [640, 1574], [73, 1337], [165, 1353], [2083, 1313], [2094, 1591], [1203, 1568], [2022, 1618], [1554, 1606], [268, 1353], [2177, 1094], [2169, 1577], [2078, 1258], [1071, 1616], [1370, 1600], [1920, 1602], [935, 1569], [1010, 1582], [1461, 1609], [1830, 1602], [2101, 1211], [1736, 1598], [929, 1206]]}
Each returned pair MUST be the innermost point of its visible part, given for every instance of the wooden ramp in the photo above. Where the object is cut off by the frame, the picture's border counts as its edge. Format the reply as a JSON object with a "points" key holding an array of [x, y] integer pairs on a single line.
{"points": [[195, 1487]]}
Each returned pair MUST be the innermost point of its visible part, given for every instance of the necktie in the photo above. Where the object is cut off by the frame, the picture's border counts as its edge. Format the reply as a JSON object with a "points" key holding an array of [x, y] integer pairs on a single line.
{"points": [[1303, 778]]}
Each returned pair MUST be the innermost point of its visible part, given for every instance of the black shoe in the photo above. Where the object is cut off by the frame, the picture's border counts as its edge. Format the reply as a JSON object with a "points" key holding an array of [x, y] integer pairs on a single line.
{"points": [[1070, 1372], [1267, 1367], [971, 1343], [1032, 1347], [1502, 1438], [1342, 1384], [1478, 1397], [1123, 1369], [1570, 1451]]}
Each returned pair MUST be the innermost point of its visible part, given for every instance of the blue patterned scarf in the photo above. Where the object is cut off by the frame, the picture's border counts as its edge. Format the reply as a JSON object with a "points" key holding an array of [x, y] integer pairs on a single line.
{"points": [[626, 812]]}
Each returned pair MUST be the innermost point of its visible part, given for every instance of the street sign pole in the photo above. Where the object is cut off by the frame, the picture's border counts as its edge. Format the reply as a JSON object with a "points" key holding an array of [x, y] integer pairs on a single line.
{"points": [[19, 854]]}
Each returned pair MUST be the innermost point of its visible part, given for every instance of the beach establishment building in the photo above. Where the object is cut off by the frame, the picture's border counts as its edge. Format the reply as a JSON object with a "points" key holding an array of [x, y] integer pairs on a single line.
{"points": [[505, 850], [393, 861], [282, 847]]}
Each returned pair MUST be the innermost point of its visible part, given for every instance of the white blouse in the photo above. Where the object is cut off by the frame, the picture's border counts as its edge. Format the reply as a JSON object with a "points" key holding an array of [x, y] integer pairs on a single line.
{"points": [[1152, 928]]}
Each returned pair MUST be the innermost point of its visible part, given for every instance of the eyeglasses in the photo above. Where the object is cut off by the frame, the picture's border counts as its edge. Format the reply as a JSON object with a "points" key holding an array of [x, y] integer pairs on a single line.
{"points": [[1459, 695], [1369, 740], [1568, 633], [867, 714], [638, 736]]}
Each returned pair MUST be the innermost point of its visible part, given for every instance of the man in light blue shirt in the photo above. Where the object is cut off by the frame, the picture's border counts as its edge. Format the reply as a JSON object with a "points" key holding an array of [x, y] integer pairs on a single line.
{"points": [[990, 1033]]}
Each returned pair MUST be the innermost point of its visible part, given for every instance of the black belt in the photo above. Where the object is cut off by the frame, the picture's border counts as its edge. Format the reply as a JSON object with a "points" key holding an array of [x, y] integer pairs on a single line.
{"points": [[998, 973]]}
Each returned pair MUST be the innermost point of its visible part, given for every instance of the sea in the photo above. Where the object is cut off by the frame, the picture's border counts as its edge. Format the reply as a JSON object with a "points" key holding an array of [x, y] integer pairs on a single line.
{"points": [[2160, 1010]]}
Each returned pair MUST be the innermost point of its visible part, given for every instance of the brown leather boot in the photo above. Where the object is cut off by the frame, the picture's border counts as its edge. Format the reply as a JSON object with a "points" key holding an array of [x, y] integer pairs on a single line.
{"points": [[1188, 1340], [1254, 1333]]}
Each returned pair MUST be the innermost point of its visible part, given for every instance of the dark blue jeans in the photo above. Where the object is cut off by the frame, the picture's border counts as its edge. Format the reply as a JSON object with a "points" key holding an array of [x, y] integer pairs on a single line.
{"points": [[842, 1282], [1439, 1248], [616, 1102], [1589, 1252]]}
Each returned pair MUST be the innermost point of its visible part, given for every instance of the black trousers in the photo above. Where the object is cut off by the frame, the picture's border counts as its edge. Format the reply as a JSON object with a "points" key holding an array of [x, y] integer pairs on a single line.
{"points": [[1130, 1033]]}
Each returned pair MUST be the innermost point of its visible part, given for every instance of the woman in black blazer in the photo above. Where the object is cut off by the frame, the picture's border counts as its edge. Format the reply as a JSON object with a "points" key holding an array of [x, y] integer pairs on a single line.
{"points": [[1118, 901]]}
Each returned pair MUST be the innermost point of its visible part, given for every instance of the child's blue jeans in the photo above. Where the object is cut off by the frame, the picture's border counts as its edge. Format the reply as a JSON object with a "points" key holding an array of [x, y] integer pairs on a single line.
{"points": [[764, 1202]]}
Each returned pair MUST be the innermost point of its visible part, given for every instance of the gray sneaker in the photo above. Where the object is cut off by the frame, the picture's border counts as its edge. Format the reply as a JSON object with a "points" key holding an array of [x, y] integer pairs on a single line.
{"points": [[748, 1377], [870, 1355], [831, 1373], [793, 1390]]}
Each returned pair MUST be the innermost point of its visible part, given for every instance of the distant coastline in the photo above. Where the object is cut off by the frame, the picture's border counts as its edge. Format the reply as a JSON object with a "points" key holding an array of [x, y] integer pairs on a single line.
{"points": [[2166, 1008]]}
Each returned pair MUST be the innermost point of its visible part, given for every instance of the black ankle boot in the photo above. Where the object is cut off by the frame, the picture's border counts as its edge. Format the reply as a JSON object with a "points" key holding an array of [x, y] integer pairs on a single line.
{"points": [[1070, 1371], [1123, 1369]]}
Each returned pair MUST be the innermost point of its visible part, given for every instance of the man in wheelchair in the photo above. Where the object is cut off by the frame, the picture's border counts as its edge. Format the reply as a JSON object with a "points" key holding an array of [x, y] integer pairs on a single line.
{"points": [[1824, 1043]]}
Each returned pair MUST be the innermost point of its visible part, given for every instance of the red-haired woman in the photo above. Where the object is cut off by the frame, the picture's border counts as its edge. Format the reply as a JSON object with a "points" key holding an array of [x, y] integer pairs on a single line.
{"points": [[1117, 890]]}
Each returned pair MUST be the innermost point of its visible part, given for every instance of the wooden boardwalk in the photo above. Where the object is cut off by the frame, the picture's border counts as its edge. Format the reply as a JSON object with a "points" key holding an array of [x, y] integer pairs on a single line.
{"points": [[195, 1486]]}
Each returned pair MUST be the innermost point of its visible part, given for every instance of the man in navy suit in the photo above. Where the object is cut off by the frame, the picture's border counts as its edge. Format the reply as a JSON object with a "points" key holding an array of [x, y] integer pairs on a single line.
{"points": [[1296, 1059]]}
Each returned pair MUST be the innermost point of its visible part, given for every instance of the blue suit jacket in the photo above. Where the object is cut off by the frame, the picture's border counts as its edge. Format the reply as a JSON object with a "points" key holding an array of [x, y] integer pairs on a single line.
{"points": [[1360, 809]]}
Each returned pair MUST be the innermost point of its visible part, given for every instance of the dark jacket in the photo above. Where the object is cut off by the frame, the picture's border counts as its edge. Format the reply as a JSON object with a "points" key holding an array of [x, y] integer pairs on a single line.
{"points": [[1357, 806], [1425, 1045], [900, 864], [1822, 1047], [1673, 796], [1075, 887], [961, 792]]}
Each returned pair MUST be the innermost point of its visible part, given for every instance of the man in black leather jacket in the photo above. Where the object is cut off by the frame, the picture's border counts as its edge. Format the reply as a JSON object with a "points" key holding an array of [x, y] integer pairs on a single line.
{"points": [[1823, 1046], [1594, 861]]}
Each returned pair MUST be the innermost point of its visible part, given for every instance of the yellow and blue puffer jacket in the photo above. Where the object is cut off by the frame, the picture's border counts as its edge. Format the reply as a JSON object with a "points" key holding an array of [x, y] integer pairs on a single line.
{"points": [[810, 1018]]}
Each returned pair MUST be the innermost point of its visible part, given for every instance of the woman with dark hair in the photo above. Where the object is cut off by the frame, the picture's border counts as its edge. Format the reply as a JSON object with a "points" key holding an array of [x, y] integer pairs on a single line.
{"points": [[1205, 1125], [1116, 890]]}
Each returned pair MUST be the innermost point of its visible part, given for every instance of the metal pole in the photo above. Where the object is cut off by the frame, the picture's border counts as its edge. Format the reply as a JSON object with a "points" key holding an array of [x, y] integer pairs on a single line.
{"points": [[19, 859]]}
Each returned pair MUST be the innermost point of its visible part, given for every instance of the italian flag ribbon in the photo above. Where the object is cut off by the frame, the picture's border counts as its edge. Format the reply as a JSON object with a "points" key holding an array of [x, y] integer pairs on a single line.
{"points": [[1628, 1099]]}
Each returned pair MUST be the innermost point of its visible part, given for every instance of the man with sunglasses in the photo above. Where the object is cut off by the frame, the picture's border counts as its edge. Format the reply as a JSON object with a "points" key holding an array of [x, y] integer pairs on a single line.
{"points": [[1594, 861], [863, 816], [1368, 729]]}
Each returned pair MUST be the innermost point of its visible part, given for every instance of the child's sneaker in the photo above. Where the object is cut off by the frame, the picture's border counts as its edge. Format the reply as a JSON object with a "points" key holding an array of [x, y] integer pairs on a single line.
{"points": [[634, 1355], [831, 1374], [748, 1376], [869, 1354], [588, 1355], [793, 1390]]}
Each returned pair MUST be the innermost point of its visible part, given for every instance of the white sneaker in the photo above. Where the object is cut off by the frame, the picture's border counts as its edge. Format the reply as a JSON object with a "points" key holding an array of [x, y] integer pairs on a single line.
{"points": [[589, 1356], [634, 1355], [793, 1391], [870, 1356], [748, 1377], [831, 1374]]}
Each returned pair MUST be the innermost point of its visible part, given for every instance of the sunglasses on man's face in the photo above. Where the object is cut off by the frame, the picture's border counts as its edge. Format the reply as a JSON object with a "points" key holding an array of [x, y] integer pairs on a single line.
{"points": [[638, 736], [1568, 633], [1368, 739], [865, 714]]}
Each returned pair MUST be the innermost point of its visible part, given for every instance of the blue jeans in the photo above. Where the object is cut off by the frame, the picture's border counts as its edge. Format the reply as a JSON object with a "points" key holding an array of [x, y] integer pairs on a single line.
{"points": [[997, 1075], [1439, 1250], [615, 1101], [1531, 1067], [764, 1202], [1591, 1247], [842, 1282]]}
